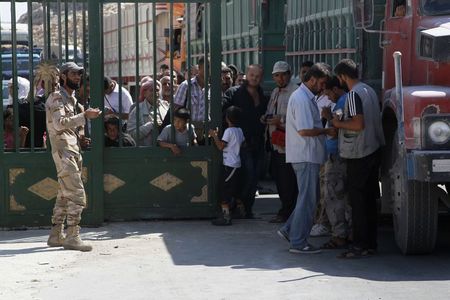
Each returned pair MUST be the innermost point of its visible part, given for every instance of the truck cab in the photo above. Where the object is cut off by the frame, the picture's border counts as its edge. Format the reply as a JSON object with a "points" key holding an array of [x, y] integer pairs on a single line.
{"points": [[415, 114]]}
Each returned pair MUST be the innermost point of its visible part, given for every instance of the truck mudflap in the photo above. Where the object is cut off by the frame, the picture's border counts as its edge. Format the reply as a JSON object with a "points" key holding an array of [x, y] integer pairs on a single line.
{"points": [[428, 166]]}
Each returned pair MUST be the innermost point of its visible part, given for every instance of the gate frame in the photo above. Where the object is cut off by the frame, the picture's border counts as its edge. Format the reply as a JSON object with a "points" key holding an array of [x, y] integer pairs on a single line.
{"points": [[96, 158]]}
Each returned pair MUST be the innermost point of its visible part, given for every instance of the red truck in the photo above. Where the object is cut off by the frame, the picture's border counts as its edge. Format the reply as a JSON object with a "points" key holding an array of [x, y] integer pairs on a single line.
{"points": [[415, 37]]}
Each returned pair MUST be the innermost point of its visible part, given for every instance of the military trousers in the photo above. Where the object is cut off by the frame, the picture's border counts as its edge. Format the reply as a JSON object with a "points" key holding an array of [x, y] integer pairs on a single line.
{"points": [[71, 197], [335, 196]]}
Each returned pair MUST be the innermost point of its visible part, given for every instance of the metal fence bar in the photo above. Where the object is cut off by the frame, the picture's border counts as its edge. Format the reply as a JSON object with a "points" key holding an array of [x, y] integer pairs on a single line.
{"points": [[188, 50], [83, 44], [75, 33], [137, 79], [60, 53], [215, 63], [154, 130], [47, 33], [14, 76], [171, 53], [87, 103], [66, 28], [119, 52], [31, 67], [95, 28], [207, 68]]}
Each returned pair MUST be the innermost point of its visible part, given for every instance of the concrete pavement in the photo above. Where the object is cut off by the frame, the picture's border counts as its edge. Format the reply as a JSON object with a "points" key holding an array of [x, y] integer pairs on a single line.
{"points": [[195, 260]]}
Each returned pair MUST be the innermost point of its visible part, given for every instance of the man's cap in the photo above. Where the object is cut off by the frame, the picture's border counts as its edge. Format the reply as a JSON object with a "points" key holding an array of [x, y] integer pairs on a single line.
{"points": [[281, 67], [70, 66]]}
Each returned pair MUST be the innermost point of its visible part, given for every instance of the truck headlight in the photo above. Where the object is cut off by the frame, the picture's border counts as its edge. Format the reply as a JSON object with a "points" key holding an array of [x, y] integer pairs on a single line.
{"points": [[436, 132], [439, 132]]}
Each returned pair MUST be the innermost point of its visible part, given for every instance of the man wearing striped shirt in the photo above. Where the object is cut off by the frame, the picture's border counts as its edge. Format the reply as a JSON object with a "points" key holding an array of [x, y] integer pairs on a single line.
{"points": [[360, 139]]}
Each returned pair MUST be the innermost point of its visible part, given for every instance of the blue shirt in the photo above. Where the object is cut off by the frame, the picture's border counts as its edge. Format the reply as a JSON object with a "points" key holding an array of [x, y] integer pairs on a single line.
{"points": [[332, 144]]}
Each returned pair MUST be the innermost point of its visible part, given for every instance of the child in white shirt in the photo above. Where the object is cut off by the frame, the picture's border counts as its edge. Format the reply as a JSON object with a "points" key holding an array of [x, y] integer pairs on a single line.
{"points": [[230, 144]]}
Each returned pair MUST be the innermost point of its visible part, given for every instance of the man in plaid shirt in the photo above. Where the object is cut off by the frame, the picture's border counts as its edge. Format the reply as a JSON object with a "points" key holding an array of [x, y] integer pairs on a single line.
{"points": [[197, 101]]}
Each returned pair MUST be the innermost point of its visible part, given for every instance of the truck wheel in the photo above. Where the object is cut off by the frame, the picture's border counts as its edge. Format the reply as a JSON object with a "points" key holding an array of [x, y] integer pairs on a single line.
{"points": [[415, 211]]}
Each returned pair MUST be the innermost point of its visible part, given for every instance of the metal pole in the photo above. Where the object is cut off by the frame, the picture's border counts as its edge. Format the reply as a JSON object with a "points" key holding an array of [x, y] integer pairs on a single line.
{"points": [[398, 81], [399, 95]]}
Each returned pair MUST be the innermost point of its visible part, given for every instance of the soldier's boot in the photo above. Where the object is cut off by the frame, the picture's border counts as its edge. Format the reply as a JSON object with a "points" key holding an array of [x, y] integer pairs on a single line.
{"points": [[73, 240], [56, 237]]}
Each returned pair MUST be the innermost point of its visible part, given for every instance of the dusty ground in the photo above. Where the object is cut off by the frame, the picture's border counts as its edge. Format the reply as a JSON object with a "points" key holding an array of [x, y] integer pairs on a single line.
{"points": [[194, 260]]}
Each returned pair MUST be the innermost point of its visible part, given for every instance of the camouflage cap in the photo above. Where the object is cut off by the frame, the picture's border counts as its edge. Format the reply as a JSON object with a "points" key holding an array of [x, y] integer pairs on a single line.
{"points": [[70, 66]]}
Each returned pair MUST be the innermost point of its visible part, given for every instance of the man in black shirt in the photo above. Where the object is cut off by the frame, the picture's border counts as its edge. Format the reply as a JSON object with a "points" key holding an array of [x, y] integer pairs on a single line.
{"points": [[249, 97]]}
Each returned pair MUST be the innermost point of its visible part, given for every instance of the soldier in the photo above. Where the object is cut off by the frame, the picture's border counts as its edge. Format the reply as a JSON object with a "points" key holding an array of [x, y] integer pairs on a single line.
{"points": [[63, 125]]}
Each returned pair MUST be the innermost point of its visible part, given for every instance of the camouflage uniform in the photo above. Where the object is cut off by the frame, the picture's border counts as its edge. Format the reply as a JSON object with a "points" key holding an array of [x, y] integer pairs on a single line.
{"points": [[335, 195], [63, 126]]}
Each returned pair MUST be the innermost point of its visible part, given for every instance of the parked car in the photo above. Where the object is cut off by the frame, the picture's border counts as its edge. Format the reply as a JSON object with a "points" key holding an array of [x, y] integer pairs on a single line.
{"points": [[23, 69]]}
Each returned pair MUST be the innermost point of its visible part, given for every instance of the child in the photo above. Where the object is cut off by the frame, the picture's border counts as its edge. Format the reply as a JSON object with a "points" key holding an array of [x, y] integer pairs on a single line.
{"points": [[230, 144], [182, 134], [8, 131], [112, 133]]}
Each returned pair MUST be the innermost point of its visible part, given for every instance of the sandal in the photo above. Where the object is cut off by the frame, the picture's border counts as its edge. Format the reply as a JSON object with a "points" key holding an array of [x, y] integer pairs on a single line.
{"points": [[354, 254], [335, 243]]}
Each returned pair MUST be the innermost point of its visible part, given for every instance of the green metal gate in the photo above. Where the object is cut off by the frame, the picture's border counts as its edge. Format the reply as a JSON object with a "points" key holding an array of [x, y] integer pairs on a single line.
{"points": [[121, 183]]}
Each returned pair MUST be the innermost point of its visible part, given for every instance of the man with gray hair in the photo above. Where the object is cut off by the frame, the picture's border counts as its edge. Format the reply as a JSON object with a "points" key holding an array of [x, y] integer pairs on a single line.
{"points": [[148, 120], [64, 122]]}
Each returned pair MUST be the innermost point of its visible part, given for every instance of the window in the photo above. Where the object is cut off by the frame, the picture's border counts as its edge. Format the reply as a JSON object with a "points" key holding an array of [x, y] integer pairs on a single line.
{"points": [[399, 8]]}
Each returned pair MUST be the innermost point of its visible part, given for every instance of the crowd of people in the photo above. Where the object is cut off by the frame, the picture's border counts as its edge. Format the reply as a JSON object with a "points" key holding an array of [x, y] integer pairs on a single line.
{"points": [[333, 140], [322, 136]]}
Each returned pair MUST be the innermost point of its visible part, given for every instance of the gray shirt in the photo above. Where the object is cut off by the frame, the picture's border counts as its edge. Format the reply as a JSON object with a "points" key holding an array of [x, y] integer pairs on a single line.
{"points": [[146, 121], [181, 138], [303, 113], [358, 144], [278, 103]]}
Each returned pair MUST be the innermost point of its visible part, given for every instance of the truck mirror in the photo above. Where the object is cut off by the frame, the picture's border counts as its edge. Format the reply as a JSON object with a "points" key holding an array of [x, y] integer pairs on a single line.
{"points": [[433, 44], [363, 11]]}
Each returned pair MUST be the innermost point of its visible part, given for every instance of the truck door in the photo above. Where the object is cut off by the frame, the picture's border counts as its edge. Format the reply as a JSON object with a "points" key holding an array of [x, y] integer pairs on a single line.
{"points": [[399, 23]]}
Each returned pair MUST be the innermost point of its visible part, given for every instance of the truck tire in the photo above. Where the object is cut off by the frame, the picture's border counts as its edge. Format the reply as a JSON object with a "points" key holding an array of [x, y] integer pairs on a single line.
{"points": [[415, 211]]}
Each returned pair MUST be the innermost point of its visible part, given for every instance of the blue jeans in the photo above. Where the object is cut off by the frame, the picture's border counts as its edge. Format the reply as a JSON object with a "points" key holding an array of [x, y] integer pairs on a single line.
{"points": [[300, 222]]}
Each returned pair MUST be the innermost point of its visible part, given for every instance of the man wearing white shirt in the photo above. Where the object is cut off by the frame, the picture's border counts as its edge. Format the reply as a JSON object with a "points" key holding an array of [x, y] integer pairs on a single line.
{"points": [[117, 103], [305, 150]]}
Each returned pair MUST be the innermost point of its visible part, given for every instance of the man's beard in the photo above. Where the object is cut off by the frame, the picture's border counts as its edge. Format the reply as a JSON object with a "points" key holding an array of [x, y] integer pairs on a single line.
{"points": [[72, 85], [345, 86]]}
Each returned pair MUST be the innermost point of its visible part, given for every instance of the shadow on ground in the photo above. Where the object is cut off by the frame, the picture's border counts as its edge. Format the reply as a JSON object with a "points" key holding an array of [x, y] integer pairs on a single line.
{"points": [[254, 245]]}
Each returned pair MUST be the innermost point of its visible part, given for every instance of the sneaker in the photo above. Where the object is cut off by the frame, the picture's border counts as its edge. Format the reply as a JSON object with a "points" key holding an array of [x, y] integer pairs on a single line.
{"points": [[319, 230], [308, 249], [283, 235]]}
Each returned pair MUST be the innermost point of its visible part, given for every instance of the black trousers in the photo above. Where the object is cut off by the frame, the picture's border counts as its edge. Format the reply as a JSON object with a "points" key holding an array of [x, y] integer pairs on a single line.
{"points": [[286, 183], [363, 191], [230, 184]]}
